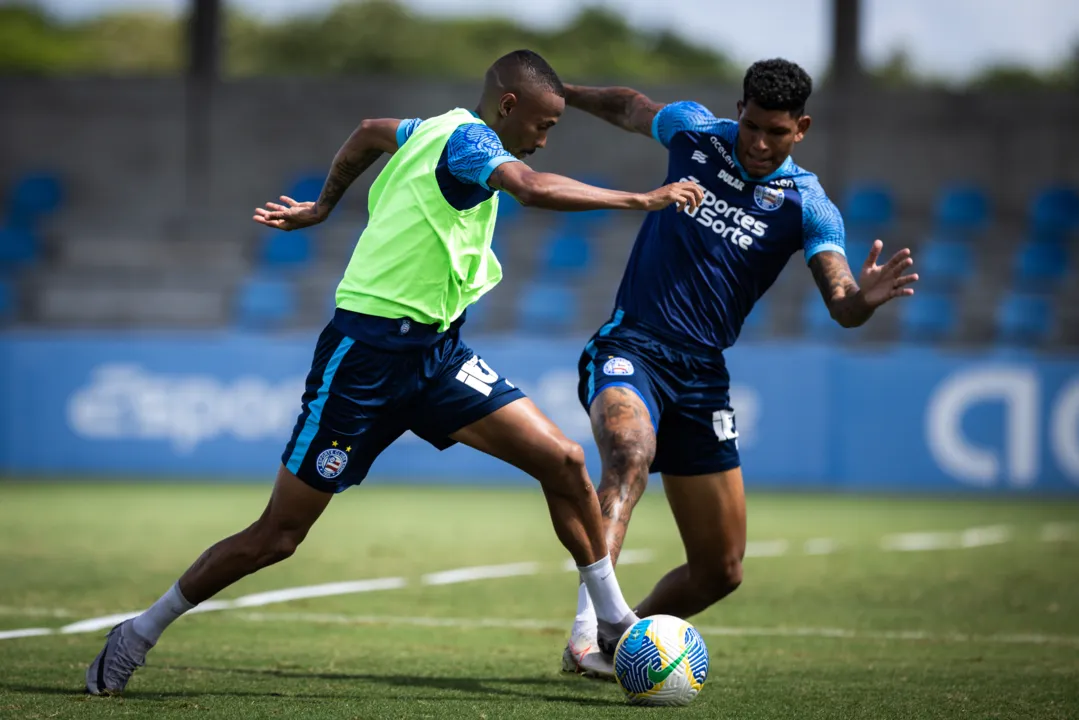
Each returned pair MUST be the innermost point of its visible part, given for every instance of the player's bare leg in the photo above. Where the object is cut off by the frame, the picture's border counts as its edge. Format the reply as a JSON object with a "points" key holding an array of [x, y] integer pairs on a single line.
{"points": [[627, 443], [711, 514], [521, 435], [293, 509]]}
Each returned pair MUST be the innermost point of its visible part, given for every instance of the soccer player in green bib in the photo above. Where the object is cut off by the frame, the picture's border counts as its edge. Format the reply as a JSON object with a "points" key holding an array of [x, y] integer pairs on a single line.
{"points": [[392, 359]]}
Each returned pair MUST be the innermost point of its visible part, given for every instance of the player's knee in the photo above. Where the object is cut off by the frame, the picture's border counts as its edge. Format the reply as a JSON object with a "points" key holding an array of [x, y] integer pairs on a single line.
{"points": [[568, 465], [626, 455], [720, 578]]}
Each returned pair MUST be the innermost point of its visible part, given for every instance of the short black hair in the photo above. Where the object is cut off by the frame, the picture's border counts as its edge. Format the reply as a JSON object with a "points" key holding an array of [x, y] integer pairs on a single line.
{"points": [[777, 84], [527, 67]]}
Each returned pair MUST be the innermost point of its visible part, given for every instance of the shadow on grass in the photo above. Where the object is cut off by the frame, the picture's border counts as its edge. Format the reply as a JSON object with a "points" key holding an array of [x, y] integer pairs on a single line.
{"points": [[472, 688]]}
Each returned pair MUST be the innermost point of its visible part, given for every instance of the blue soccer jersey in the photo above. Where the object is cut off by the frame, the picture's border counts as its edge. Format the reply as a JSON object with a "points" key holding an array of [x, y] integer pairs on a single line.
{"points": [[472, 153], [695, 276]]}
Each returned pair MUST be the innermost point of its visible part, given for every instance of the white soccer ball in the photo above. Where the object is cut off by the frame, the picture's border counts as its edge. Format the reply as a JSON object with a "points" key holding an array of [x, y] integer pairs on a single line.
{"points": [[661, 660]]}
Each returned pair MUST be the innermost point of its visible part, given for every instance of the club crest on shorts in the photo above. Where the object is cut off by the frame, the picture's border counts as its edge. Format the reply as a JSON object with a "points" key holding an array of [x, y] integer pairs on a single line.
{"points": [[618, 366], [331, 463], [768, 198]]}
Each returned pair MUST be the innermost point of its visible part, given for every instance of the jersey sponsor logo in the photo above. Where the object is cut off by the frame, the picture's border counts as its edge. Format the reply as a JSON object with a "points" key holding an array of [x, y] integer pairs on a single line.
{"points": [[724, 152], [724, 426], [768, 198], [700, 157], [331, 463], [618, 366], [478, 375], [731, 180], [726, 220], [782, 183]]}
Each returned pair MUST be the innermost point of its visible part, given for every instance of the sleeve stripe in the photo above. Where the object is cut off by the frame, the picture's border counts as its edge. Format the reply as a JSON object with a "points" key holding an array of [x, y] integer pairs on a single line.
{"points": [[489, 168], [824, 247]]}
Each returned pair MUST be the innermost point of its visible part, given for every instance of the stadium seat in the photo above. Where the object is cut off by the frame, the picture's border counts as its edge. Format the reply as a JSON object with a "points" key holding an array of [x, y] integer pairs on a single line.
{"points": [[817, 322], [7, 302], [307, 187], [945, 264], [868, 206], [857, 250], [759, 320], [33, 197], [962, 211], [566, 253], [264, 303], [1024, 319], [287, 249], [1040, 266], [18, 246], [927, 317], [1054, 213], [546, 307]]}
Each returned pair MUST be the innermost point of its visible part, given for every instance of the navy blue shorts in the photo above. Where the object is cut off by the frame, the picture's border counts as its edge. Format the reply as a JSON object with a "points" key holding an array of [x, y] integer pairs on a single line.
{"points": [[374, 378], [687, 395]]}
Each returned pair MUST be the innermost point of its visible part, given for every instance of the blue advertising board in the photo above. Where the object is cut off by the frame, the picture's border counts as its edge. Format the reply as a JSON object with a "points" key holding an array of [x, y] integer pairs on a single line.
{"points": [[221, 406]]}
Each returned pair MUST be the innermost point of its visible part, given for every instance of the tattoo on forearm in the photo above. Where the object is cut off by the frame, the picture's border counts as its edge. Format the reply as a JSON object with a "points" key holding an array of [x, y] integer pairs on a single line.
{"points": [[621, 106], [344, 172], [839, 289]]}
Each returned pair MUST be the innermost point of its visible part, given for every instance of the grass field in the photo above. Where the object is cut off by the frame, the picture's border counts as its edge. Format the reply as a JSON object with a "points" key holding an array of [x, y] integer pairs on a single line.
{"points": [[833, 620]]}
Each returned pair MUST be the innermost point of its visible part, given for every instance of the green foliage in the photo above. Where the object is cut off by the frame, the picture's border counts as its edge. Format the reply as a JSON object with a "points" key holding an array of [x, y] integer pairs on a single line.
{"points": [[354, 38]]}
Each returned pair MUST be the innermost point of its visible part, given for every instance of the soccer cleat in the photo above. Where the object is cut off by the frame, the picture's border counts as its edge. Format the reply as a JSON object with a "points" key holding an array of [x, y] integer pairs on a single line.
{"points": [[582, 656], [124, 652], [608, 634]]}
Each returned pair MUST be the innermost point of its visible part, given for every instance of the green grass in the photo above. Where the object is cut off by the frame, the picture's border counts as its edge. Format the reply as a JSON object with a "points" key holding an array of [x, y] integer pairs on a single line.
{"points": [[99, 549]]}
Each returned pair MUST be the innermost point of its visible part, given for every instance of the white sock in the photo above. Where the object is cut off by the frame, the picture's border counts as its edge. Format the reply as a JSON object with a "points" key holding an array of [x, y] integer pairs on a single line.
{"points": [[585, 622], [161, 614], [603, 588]]}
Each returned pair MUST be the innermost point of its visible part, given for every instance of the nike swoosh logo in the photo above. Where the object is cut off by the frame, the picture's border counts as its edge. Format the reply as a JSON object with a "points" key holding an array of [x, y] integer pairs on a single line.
{"points": [[658, 676]]}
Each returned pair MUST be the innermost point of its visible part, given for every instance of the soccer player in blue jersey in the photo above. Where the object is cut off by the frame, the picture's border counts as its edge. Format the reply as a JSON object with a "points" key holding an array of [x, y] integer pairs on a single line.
{"points": [[653, 379]]}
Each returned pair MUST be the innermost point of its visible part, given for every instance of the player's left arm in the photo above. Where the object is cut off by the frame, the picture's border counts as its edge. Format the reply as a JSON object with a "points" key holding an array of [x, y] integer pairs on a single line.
{"points": [[367, 143], [850, 302]]}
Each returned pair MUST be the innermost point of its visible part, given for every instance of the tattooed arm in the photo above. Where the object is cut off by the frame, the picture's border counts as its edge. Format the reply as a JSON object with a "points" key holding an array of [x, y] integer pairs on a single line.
{"points": [[621, 106], [851, 304], [366, 145]]}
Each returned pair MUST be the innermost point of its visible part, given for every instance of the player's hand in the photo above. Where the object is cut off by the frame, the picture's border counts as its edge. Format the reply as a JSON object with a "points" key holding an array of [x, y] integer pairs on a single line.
{"points": [[291, 216], [881, 283], [683, 195]]}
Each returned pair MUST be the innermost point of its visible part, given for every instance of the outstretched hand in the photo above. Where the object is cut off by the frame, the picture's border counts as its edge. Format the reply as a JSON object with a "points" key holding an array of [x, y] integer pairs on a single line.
{"points": [[881, 283], [291, 216], [683, 195]]}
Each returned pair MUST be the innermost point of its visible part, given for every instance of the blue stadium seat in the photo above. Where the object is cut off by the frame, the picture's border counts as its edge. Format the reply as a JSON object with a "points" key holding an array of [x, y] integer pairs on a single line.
{"points": [[759, 320], [857, 250], [962, 211], [7, 302], [1040, 266], [945, 264], [18, 246], [1054, 213], [34, 196], [287, 249], [264, 303], [1024, 319], [868, 206], [509, 209], [927, 316], [565, 254], [817, 322], [307, 187], [546, 307]]}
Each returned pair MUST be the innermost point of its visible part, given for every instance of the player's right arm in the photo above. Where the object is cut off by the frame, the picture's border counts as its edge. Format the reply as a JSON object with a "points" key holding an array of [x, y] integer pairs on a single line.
{"points": [[367, 143], [558, 192], [620, 106]]}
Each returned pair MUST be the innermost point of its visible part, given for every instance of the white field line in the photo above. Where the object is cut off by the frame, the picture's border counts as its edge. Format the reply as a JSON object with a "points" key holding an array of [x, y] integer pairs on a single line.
{"points": [[820, 546], [24, 632], [35, 612], [1060, 532], [535, 624], [628, 557], [969, 538], [481, 572], [766, 548]]}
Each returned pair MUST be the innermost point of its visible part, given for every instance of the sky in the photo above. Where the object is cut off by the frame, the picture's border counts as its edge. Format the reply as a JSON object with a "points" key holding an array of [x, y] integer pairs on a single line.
{"points": [[951, 39]]}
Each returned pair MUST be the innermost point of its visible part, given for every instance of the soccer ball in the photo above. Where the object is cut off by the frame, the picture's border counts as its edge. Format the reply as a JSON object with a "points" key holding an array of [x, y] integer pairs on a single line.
{"points": [[661, 660]]}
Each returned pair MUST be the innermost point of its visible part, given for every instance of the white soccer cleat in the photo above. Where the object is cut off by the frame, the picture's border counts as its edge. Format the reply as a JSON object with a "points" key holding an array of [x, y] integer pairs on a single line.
{"points": [[582, 656], [124, 652]]}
